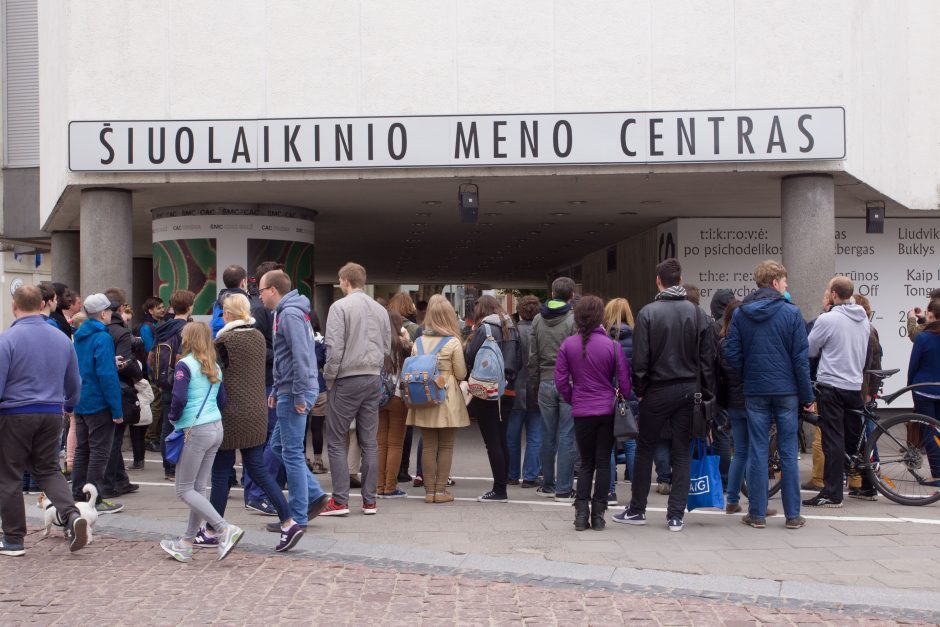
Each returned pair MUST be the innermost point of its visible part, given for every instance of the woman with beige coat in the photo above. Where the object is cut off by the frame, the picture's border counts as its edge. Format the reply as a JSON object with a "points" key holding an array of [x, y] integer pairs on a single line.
{"points": [[439, 424]]}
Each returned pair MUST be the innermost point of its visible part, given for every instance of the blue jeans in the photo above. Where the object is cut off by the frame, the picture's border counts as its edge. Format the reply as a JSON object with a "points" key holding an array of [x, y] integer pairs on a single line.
{"points": [[287, 444], [557, 438], [532, 421], [629, 451], [253, 491], [253, 458], [662, 459], [761, 410], [739, 438], [929, 407]]}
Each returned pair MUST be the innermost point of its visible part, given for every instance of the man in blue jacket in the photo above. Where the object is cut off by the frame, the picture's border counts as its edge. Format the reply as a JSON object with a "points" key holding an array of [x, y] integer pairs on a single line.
{"points": [[767, 344], [293, 393], [99, 408], [38, 380]]}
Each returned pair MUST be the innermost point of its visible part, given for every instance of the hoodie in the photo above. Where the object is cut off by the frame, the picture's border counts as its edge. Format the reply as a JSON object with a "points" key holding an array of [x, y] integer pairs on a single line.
{"points": [[766, 344], [549, 329], [101, 389], [719, 303], [295, 360], [217, 322], [840, 340]]}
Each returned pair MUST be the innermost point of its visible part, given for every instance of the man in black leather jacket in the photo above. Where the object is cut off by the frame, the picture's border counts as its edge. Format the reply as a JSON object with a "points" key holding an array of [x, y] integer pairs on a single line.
{"points": [[673, 356]]}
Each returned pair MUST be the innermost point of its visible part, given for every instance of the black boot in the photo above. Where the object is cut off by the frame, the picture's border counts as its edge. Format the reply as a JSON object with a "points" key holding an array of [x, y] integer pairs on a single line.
{"points": [[581, 514], [597, 514]]}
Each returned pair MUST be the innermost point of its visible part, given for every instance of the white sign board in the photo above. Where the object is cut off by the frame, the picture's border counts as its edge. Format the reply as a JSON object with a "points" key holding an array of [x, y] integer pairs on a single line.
{"points": [[895, 270], [792, 134]]}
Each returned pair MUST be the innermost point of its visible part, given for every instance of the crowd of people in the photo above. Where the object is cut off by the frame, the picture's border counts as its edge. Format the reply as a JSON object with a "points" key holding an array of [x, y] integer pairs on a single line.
{"points": [[541, 383]]}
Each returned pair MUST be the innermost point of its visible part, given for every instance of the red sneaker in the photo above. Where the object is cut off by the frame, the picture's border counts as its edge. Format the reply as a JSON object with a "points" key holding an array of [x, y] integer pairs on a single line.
{"points": [[369, 509], [335, 509]]}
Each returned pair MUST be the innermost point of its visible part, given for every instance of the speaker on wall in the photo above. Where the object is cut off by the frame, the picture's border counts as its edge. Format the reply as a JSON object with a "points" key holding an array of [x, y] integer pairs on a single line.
{"points": [[875, 217]]}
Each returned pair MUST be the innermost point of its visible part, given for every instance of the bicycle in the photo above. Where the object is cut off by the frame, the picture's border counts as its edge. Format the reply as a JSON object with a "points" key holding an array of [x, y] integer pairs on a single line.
{"points": [[891, 451]]}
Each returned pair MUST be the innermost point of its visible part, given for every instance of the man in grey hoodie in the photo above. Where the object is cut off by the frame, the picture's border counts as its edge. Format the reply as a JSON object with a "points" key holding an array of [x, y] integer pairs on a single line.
{"points": [[358, 338], [549, 329], [840, 340], [294, 392]]}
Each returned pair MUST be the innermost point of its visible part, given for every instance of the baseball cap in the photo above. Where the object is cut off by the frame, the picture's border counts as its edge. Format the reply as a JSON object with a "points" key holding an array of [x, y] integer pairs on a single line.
{"points": [[96, 303]]}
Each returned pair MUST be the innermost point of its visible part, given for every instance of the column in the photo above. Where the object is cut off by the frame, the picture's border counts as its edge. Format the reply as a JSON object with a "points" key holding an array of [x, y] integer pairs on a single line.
{"points": [[66, 256], [107, 240], [143, 283], [808, 225]]}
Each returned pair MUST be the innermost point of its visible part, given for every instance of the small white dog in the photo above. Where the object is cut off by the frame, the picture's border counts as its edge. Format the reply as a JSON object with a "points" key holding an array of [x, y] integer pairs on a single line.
{"points": [[85, 508]]}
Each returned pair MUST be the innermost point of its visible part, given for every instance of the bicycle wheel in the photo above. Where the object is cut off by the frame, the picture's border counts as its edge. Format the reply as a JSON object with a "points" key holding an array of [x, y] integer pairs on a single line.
{"points": [[901, 451], [774, 467]]}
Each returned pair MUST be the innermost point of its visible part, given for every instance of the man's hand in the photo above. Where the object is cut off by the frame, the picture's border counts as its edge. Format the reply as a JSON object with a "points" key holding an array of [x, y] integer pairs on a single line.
{"points": [[118, 421], [301, 409], [272, 402]]}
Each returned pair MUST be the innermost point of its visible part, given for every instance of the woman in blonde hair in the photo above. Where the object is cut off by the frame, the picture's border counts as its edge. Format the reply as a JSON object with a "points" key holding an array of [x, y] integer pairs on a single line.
{"points": [[618, 322], [194, 410], [439, 424]]}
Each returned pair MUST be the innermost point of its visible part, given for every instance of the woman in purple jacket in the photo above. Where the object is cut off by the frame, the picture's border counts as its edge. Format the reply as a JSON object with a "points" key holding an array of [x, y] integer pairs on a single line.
{"points": [[588, 363]]}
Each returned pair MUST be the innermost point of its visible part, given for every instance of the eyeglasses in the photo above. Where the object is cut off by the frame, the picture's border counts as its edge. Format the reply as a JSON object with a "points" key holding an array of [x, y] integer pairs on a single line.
{"points": [[261, 289]]}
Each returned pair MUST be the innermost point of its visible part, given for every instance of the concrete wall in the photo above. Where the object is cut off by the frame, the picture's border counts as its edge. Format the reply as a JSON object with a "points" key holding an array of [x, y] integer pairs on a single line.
{"points": [[249, 58]]}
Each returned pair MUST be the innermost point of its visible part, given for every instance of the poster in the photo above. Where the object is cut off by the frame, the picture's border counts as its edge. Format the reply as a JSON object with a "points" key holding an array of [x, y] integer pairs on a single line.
{"points": [[186, 264], [895, 269]]}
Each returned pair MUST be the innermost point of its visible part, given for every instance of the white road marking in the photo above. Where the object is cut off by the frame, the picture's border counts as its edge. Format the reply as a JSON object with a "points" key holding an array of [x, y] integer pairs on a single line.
{"points": [[551, 503]]}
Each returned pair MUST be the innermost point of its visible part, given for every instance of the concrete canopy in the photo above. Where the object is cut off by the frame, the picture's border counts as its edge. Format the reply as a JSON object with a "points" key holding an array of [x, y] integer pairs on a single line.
{"points": [[404, 226]]}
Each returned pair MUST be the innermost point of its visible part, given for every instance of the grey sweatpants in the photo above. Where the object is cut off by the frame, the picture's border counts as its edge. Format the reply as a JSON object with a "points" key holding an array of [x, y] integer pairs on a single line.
{"points": [[353, 398], [193, 473]]}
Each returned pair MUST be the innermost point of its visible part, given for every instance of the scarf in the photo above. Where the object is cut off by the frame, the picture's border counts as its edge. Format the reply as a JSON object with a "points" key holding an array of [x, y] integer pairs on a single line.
{"points": [[676, 292]]}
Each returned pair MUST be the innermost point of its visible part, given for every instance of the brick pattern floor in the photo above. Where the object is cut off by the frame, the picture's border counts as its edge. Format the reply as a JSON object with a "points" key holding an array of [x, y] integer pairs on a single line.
{"points": [[116, 581]]}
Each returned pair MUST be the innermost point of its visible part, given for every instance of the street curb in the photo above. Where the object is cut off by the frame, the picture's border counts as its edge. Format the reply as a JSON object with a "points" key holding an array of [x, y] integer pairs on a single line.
{"points": [[889, 603]]}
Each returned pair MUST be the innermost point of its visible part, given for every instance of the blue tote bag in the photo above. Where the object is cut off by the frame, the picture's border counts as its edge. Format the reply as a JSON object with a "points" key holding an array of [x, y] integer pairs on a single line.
{"points": [[705, 487]]}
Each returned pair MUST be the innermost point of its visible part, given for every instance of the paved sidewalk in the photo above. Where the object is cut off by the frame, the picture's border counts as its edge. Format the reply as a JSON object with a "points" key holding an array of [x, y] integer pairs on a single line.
{"points": [[878, 545], [132, 582]]}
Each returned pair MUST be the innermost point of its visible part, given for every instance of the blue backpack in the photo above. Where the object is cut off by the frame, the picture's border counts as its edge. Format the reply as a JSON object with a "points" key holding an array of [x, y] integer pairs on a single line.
{"points": [[488, 377], [422, 384]]}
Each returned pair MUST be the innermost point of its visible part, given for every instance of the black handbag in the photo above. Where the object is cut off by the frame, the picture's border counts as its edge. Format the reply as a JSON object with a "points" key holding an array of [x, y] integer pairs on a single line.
{"points": [[703, 410], [625, 425], [130, 404]]}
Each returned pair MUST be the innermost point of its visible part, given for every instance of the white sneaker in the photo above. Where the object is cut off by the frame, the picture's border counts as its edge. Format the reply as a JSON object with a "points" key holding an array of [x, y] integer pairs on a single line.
{"points": [[229, 538]]}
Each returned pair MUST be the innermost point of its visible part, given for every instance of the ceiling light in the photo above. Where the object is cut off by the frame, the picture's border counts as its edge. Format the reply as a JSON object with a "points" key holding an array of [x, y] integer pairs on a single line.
{"points": [[606, 224], [505, 202], [534, 232], [591, 232], [430, 203], [492, 214], [546, 224], [419, 224], [628, 213], [650, 202], [577, 202], [577, 240], [423, 214], [558, 214], [486, 224]]}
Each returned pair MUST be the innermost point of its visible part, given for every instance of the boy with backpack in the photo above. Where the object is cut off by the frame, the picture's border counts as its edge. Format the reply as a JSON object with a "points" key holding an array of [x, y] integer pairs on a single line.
{"points": [[161, 363]]}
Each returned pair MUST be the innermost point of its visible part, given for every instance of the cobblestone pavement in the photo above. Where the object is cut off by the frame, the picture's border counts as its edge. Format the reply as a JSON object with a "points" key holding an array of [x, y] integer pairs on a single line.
{"points": [[124, 581]]}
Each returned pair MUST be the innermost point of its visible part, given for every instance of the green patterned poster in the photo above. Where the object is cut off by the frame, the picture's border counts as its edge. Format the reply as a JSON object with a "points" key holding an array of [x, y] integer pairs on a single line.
{"points": [[297, 258], [186, 264]]}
